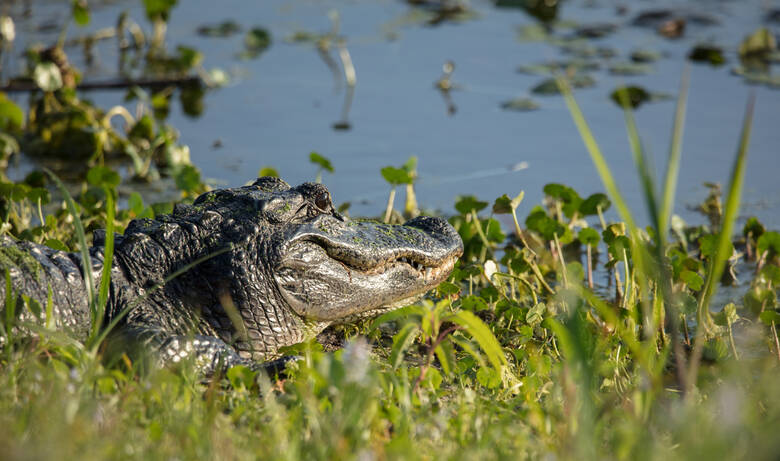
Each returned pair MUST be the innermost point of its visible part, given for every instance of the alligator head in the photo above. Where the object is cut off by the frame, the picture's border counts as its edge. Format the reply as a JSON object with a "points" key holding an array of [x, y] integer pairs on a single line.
{"points": [[291, 265]]}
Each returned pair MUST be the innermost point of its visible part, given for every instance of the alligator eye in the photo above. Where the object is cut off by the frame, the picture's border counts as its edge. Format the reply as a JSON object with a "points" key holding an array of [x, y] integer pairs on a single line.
{"points": [[323, 202]]}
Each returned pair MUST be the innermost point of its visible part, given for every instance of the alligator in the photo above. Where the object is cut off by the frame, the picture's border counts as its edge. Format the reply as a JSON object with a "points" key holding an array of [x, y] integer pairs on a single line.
{"points": [[236, 275]]}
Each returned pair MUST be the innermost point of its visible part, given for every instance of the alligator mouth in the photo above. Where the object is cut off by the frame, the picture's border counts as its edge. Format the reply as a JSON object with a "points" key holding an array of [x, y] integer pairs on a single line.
{"points": [[334, 271]]}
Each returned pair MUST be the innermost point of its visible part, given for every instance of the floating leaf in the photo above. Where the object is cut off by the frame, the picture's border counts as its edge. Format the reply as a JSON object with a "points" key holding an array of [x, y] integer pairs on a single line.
{"points": [[759, 44], [645, 56], [520, 105], [256, 41], [223, 29], [707, 53], [629, 68], [550, 86]]}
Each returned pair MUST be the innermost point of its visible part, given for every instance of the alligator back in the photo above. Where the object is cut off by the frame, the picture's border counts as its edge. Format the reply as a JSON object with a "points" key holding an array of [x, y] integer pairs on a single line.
{"points": [[41, 273]]}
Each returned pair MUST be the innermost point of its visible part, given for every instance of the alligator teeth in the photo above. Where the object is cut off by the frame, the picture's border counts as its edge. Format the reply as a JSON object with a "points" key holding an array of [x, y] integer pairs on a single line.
{"points": [[428, 271]]}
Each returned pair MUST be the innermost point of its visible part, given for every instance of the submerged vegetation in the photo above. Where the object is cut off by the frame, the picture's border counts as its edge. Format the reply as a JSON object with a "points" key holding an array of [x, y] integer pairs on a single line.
{"points": [[565, 329]]}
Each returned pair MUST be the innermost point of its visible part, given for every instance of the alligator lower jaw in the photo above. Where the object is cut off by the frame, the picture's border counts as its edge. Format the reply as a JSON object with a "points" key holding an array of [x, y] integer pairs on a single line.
{"points": [[319, 287]]}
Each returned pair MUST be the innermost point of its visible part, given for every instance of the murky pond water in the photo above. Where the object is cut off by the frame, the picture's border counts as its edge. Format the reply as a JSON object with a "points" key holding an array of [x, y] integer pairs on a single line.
{"points": [[284, 104]]}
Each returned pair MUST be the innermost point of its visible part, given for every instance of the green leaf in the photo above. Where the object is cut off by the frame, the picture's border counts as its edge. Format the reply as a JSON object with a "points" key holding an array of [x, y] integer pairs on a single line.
{"points": [[56, 244], [465, 204], [535, 314], [482, 334], [493, 231], [80, 10], [401, 342], [241, 377], [591, 205], [769, 241], [473, 303], [257, 40], [158, 9], [770, 317], [727, 316], [136, 203], [502, 205], [710, 54], [692, 279], [396, 176], [47, 76], [753, 227], [321, 162], [759, 43], [267, 171], [589, 236], [489, 377], [102, 176], [446, 355], [187, 178], [11, 115]]}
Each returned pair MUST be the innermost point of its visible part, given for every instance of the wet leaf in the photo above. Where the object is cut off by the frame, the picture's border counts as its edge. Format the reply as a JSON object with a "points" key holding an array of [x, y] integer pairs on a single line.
{"points": [[759, 44], [636, 96], [629, 68], [645, 56], [550, 86], [710, 54], [223, 29], [256, 41], [520, 105], [47, 76]]}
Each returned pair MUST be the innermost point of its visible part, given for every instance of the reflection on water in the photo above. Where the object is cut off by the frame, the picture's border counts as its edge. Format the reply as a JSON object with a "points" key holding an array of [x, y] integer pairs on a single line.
{"points": [[282, 105]]}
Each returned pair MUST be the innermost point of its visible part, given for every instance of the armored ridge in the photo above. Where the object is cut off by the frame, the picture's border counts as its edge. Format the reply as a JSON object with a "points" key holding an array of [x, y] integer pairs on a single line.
{"points": [[265, 266]]}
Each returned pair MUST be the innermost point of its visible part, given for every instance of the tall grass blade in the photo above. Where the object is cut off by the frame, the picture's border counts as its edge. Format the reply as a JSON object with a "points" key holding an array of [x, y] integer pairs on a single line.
{"points": [[673, 164], [595, 154], [730, 211], [108, 259], [721, 256], [86, 261], [640, 159]]}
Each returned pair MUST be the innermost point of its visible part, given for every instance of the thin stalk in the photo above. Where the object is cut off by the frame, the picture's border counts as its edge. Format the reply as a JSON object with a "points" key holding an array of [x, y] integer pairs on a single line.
{"points": [[590, 267], [563, 263], [390, 201]]}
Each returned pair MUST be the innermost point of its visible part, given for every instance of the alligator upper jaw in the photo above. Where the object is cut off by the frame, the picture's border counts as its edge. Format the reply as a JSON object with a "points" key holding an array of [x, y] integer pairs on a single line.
{"points": [[333, 271]]}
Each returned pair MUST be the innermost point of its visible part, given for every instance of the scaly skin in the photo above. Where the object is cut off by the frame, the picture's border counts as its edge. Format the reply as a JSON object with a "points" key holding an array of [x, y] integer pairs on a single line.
{"points": [[277, 266]]}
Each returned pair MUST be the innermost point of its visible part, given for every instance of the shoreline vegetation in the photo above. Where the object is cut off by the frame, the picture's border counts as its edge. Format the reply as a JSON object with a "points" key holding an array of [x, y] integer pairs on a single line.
{"points": [[564, 334]]}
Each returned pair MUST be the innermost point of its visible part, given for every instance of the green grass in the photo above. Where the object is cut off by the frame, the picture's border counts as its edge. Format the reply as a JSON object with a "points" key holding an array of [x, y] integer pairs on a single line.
{"points": [[513, 357]]}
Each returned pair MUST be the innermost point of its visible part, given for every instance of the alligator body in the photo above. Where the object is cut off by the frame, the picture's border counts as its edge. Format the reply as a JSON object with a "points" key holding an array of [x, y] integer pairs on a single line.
{"points": [[260, 267]]}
